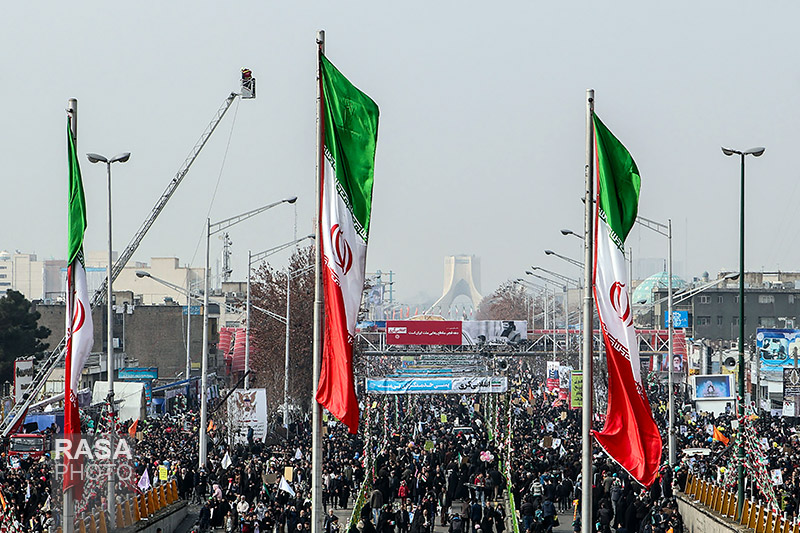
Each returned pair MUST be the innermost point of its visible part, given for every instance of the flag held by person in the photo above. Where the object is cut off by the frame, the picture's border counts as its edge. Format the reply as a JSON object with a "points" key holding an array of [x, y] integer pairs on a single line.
{"points": [[80, 334], [284, 486], [719, 437], [349, 123], [630, 435], [144, 481]]}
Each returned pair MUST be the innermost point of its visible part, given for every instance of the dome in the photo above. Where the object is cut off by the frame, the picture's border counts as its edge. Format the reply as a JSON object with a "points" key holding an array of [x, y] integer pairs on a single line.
{"points": [[643, 294]]}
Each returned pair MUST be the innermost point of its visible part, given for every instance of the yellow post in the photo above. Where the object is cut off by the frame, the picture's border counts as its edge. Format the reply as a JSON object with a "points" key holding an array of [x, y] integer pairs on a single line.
{"points": [[745, 512], [103, 527], [689, 482], [732, 506], [137, 508], [723, 509], [751, 522], [760, 520], [701, 495], [777, 527], [692, 488], [162, 500], [174, 486], [148, 498], [92, 524], [118, 517], [127, 515], [81, 525], [768, 525]]}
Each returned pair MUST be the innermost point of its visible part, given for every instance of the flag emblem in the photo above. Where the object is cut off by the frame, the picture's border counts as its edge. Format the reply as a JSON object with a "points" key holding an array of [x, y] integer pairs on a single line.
{"points": [[621, 303], [344, 254]]}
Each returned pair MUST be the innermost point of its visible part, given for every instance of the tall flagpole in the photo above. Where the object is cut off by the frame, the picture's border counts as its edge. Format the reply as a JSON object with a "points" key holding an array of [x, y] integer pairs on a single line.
{"points": [[588, 248], [68, 511], [316, 430]]}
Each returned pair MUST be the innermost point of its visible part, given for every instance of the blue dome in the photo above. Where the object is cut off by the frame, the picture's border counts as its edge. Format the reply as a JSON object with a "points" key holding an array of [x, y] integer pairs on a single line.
{"points": [[643, 294]]}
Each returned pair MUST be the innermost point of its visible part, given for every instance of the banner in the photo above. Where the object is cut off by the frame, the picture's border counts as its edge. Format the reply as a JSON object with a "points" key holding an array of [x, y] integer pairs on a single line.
{"points": [[23, 377], [564, 377], [138, 372], [423, 332], [494, 331], [460, 385], [247, 409], [576, 392], [552, 375], [791, 382], [680, 319]]}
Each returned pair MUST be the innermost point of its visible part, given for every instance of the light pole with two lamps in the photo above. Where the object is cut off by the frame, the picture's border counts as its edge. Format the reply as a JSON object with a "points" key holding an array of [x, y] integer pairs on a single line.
{"points": [[755, 152], [121, 158], [211, 229]]}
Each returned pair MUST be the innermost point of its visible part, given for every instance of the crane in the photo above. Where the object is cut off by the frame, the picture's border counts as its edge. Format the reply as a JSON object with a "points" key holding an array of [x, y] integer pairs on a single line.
{"points": [[248, 91]]}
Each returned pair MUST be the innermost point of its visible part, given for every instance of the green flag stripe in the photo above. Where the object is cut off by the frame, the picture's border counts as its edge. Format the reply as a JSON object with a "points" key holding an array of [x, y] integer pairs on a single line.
{"points": [[351, 134], [76, 209], [619, 182]]}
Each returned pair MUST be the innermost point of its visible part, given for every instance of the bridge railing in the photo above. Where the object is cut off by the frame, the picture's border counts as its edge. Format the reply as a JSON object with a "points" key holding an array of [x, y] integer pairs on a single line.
{"points": [[130, 511], [755, 516]]}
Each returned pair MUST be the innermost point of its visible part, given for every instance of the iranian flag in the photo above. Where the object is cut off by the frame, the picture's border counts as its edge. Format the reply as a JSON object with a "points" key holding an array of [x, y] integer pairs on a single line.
{"points": [[630, 435], [349, 122], [80, 334]]}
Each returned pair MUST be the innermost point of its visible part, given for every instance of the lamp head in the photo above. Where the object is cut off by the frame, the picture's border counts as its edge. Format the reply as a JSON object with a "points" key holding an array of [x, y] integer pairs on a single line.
{"points": [[291, 200], [529, 272], [549, 252], [96, 158], [142, 274], [121, 158], [758, 151], [566, 232]]}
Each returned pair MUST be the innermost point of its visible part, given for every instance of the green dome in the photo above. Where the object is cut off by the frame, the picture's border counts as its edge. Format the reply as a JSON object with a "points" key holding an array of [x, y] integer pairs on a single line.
{"points": [[643, 294]]}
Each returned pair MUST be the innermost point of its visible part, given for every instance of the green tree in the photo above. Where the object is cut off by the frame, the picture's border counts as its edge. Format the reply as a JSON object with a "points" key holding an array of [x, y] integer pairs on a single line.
{"points": [[20, 334]]}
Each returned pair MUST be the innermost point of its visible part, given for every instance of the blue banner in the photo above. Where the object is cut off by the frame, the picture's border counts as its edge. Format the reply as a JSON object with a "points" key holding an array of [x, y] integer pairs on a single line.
{"points": [[139, 373], [680, 319]]}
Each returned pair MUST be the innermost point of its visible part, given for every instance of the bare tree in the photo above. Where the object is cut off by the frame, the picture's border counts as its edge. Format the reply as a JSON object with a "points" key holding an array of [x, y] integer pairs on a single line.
{"points": [[511, 301], [268, 334]]}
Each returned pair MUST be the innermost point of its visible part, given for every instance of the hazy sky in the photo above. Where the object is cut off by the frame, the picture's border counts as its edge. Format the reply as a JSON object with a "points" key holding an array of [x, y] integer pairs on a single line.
{"points": [[481, 138]]}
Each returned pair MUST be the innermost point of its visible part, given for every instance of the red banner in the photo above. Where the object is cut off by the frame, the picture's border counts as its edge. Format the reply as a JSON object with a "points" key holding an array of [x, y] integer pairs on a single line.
{"points": [[423, 332]]}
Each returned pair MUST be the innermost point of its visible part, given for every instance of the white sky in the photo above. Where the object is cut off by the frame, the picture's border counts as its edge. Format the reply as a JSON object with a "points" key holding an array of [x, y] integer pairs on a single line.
{"points": [[481, 140]]}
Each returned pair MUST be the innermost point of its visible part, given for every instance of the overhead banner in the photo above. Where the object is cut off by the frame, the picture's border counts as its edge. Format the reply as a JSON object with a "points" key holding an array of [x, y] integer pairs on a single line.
{"points": [[423, 332], [494, 331], [455, 385], [247, 409]]}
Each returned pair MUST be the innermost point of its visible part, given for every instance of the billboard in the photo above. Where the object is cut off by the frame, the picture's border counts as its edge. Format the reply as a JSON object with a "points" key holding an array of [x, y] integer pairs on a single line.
{"points": [[437, 385], [791, 382], [247, 409], [564, 377], [777, 348], [678, 363], [423, 332], [494, 331], [23, 376], [713, 387]]}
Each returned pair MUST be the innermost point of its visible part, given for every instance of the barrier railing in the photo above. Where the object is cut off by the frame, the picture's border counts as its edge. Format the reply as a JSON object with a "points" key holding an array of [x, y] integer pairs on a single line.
{"points": [[131, 510], [754, 516]]}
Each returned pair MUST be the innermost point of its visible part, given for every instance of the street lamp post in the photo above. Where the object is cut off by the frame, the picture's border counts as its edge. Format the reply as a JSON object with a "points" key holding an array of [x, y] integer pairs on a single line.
{"points": [[121, 158], [755, 152], [211, 229]]}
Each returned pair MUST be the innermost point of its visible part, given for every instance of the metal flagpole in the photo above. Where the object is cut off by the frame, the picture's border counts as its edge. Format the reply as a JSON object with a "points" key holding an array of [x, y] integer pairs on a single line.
{"points": [[286, 355], [670, 367], [316, 430], [202, 451], [68, 512], [588, 238]]}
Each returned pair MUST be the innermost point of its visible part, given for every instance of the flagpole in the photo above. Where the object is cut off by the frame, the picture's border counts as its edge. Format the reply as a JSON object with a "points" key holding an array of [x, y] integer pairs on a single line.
{"points": [[588, 329], [68, 511], [316, 430]]}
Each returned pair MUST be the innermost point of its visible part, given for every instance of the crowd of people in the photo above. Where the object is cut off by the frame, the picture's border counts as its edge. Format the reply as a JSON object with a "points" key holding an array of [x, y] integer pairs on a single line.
{"points": [[433, 462]]}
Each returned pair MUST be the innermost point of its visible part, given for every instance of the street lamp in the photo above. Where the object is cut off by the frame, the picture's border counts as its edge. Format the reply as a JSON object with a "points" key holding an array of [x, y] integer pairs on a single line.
{"points": [[565, 279], [570, 232], [211, 229], [252, 258], [569, 260], [755, 152], [120, 158], [189, 297]]}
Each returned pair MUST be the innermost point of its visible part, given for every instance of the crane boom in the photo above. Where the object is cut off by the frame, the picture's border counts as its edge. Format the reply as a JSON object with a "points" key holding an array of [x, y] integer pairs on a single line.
{"points": [[55, 357]]}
